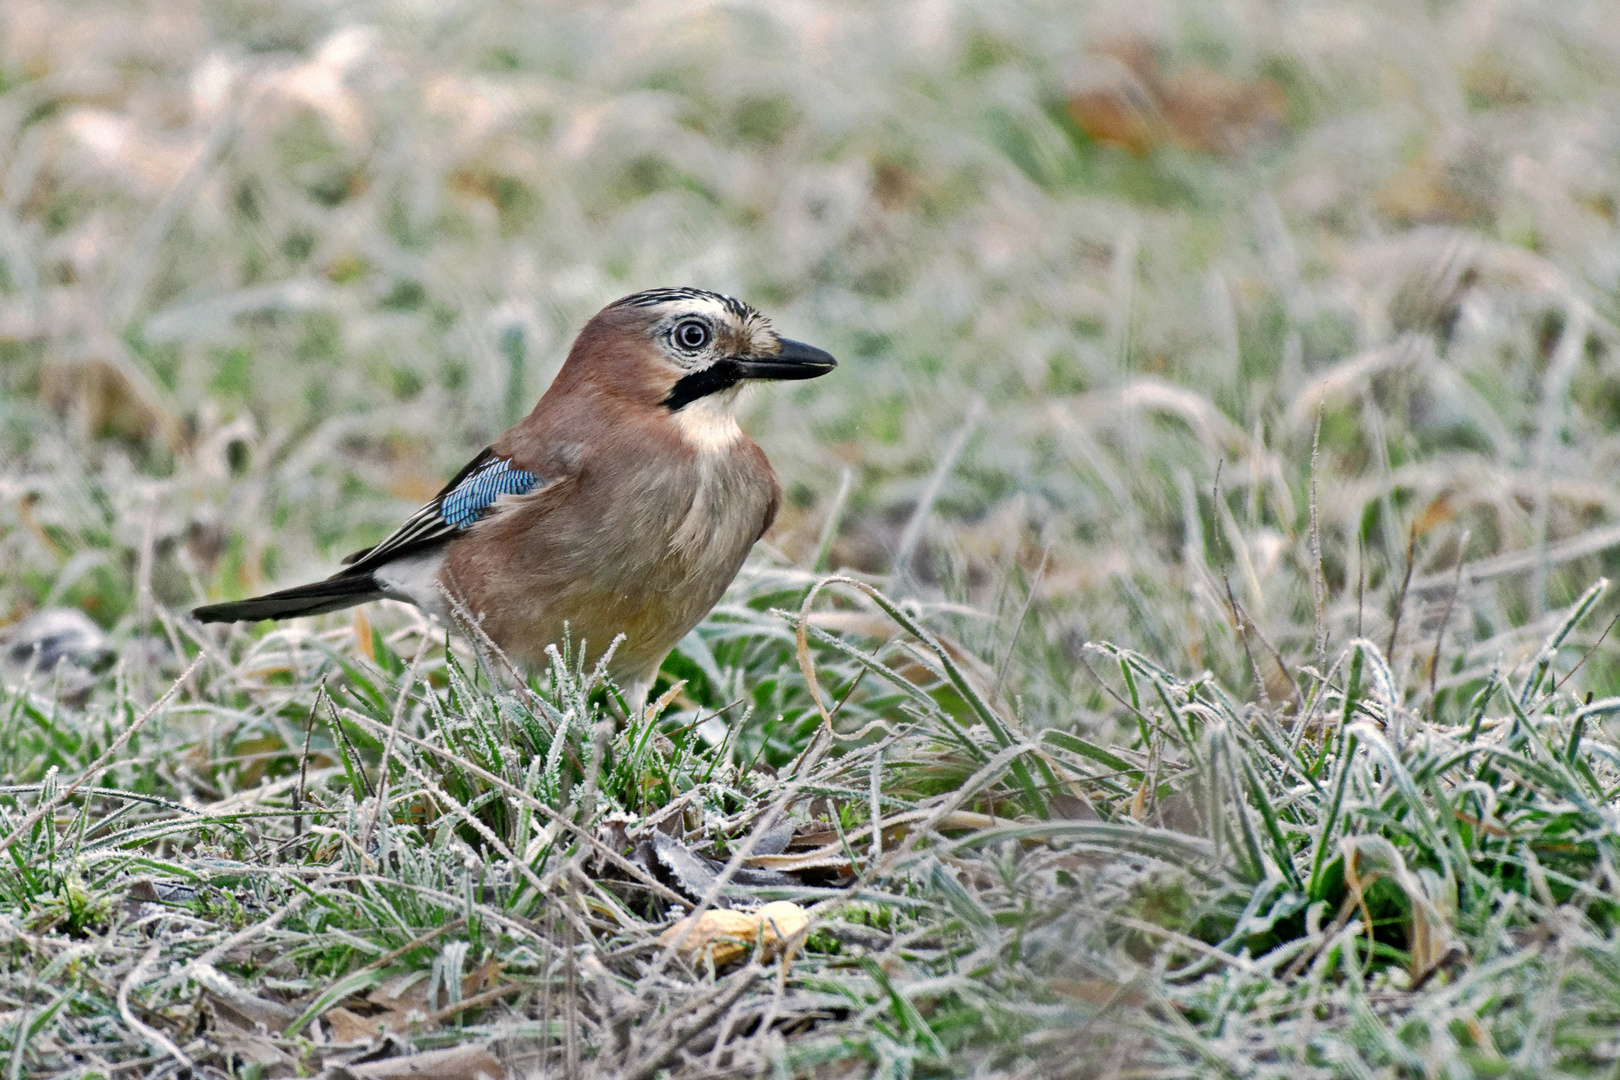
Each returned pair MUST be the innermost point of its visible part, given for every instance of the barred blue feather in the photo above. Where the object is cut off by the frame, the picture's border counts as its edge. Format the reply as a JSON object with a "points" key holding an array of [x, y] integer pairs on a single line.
{"points": [[463, 501], [470, 498]]}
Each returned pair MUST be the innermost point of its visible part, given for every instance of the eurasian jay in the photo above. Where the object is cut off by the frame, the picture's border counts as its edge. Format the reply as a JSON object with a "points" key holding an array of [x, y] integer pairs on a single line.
{"points": [[623, 504]]}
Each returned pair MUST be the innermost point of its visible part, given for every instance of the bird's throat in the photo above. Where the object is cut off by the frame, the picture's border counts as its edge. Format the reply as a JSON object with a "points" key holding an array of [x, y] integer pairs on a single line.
{"points": [[710, 423]]}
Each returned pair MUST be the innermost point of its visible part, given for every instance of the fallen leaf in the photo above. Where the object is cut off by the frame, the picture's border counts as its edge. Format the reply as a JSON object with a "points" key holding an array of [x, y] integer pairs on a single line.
{"points": [[1439, 511], [470, 1062], [107, 393], [253, 1051], [692, 875], [1099, 993], [833, 854], [1072, 807], [362, 635], [242, 1024], [343, 1026], [400, 1005], [251, 1013], [1217, 114], [1431, 189], [1124, 99]]}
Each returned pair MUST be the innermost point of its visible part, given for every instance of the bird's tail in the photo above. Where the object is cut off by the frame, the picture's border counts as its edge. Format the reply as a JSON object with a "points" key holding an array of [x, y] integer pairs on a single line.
{"points": [[344, 590]]}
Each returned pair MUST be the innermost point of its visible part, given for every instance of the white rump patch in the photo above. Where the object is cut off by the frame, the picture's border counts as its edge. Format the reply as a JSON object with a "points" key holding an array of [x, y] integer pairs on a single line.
{"points": [[415, 579]]}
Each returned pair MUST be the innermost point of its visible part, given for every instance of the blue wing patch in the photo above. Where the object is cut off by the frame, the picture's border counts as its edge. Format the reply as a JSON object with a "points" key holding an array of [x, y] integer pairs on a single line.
{"points": [[470, 498], [475, 488]]}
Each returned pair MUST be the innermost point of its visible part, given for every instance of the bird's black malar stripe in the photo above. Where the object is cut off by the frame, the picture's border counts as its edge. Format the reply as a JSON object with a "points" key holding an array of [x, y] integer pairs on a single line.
{"points": [[718, 376]]}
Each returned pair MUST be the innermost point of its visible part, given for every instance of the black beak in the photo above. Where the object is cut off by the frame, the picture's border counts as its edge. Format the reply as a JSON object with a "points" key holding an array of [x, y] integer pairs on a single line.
{"points": [[796, 360]]}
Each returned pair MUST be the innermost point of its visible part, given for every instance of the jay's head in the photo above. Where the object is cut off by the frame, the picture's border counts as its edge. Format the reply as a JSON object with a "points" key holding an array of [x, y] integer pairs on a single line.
{"points": [[687, 352]]}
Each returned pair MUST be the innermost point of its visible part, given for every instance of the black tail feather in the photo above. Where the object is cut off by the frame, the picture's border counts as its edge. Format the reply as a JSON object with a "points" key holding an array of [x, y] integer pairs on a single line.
{"points": [[333, 594]]}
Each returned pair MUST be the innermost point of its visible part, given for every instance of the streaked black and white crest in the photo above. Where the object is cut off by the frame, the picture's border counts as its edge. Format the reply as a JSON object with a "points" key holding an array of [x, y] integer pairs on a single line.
{"points": [[655, 297]]}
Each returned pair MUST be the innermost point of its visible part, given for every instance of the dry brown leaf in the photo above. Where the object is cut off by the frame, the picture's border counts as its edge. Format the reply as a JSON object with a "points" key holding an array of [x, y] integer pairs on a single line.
{"points": [[725, 936], [1118, 103], [362, 635], [1124, 99], [343, 1026], [1439, 511], [1428, 190], [401, 1005], [1099, 993], [245, 1027], [1218, 114], [250, 1013], [470, 1062], [832, 852], [1139, 803], [253, 1051], [108, 393], [243, 1024], [830, 857]]}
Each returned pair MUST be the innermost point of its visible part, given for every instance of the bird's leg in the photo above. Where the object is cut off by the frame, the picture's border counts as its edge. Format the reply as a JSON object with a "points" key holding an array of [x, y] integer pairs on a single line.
{"points": [[628, 702], [635, 695]]}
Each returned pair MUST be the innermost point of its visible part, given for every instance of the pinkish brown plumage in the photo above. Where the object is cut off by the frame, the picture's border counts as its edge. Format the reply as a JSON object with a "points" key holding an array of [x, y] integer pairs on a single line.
{"points": [[625, 503]]}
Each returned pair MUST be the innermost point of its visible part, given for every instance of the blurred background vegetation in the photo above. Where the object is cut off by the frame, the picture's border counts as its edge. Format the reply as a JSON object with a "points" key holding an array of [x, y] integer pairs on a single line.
{"points": [[1226, 332], [270, 270]]}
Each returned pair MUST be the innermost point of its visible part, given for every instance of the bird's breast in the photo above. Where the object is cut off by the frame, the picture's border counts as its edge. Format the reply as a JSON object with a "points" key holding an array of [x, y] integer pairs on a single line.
{"points": [[651, 521], [726, 511], [642, 545]]}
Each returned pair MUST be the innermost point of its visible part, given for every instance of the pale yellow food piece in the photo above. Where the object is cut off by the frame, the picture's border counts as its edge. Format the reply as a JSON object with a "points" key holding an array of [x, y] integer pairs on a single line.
{"points": [[729, 935]]}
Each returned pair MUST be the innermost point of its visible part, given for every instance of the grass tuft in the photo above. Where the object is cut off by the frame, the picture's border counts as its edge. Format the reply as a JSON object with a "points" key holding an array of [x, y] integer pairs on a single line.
{"points": [[1184, 650]]}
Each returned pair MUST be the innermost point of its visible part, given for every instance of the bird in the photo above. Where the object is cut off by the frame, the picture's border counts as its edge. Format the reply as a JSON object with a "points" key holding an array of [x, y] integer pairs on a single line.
{"points": [[623, 504]]}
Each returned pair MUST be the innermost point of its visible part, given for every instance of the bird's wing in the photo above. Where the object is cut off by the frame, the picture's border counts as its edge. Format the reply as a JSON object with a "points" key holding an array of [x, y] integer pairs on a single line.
{"points": [[463, 501]]}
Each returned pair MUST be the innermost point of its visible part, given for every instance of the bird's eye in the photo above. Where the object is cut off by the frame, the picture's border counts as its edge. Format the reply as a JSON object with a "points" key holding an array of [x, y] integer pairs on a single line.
{"points": [[691, 335]]}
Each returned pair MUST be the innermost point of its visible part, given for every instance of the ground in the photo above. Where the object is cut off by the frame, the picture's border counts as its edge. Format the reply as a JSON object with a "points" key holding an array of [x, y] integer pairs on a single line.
{"points": [[1183, 650]]}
